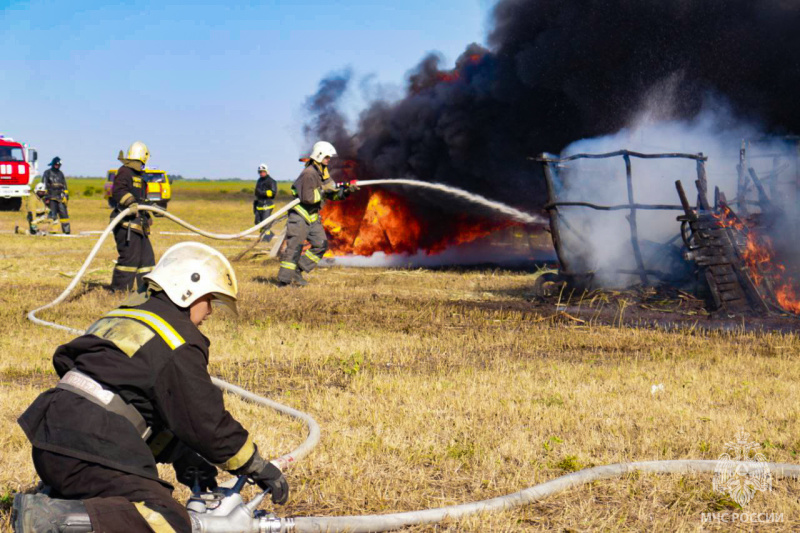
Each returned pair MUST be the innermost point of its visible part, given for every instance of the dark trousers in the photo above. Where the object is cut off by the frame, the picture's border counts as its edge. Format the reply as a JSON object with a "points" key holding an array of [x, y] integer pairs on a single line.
{"points": [[58, 210], [136, 258], [298, 231], [117, 502], [263, 213]]}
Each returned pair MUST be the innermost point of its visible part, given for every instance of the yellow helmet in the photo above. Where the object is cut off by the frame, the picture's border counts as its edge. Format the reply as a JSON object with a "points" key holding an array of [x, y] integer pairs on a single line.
{"points": [[137, 152]]}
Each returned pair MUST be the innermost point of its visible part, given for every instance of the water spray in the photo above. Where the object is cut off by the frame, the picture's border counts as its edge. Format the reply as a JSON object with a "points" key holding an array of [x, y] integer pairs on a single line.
{"points": [[512, 213], [239, 517]]}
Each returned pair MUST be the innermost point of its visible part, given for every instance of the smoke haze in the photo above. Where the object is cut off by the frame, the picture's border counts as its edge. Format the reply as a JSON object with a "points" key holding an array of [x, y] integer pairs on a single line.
{"points": [[556, 71]]}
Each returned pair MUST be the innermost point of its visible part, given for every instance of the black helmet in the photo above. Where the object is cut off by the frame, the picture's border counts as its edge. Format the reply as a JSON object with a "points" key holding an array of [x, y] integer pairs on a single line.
{"points": [[56, 161]]}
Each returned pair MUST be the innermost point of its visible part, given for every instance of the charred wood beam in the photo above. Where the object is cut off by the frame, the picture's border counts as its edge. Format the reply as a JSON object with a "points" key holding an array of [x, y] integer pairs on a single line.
{"points": [[741, 186], [763, 199], [688, 217], [746, 281], [685, 205], [555, 231], [637, 252], [702, 186], [621, 207], [624, 153]]}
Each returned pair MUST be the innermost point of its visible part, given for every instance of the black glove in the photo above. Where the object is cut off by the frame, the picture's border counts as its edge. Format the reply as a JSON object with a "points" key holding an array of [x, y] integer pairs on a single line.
{"points": [[343, 192], [271, 479], [191, 470], [268, 476]]}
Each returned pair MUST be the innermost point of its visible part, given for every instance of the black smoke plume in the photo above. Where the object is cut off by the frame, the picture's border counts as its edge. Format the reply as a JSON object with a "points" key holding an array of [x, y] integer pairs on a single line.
{"points": [[560, 70]]}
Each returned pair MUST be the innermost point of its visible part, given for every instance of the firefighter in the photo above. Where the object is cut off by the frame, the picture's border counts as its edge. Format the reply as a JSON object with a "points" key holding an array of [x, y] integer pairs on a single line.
{"points": [[135, 391], [132, 234], [264, 203], [56, 185], [304, 224], [38, 217]]}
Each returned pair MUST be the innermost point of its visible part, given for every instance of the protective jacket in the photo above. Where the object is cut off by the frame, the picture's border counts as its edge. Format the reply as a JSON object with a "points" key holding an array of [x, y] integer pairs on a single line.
{"points": [[150, 353], [55, 183], [37, 207], [312, 186], [266, 191], [37, 216], [129, 188]]}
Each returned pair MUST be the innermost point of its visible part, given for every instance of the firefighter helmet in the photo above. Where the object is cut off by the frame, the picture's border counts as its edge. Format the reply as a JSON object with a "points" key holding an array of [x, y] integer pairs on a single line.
{"points": [[190, 270], [137, 152], [40, 188], [263, 167], [322, 150], [56, 161]]}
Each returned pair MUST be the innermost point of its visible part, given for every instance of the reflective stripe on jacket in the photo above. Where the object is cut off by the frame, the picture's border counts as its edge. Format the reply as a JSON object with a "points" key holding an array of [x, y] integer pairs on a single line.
{"points": [[155, 358]]}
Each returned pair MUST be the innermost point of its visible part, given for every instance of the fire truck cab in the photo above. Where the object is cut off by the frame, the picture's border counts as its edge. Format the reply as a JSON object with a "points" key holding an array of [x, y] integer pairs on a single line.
{"points": [[17, 169]]}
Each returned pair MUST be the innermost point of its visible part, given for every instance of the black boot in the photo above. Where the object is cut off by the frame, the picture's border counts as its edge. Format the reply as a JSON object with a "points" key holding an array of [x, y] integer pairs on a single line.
{"points": [[37, 513], [298, 279]]}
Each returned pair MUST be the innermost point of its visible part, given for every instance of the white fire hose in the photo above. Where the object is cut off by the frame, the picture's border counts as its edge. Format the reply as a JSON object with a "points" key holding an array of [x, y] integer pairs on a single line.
{"points": [[387, 522]]}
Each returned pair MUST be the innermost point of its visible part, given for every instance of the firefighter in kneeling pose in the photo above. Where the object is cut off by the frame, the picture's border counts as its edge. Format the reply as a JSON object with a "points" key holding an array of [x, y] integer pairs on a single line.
{"points": [[135, 391], [38, 218], [304, 224], [264, 203], [56, 185], [136, 257]]}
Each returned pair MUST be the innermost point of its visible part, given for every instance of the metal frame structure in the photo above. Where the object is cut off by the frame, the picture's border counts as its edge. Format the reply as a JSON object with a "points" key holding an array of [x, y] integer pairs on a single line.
{"points": [[554, 184]]}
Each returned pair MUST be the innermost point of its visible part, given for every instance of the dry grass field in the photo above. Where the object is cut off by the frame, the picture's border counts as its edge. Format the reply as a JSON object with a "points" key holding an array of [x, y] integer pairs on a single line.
{"points": [[425, 396]]}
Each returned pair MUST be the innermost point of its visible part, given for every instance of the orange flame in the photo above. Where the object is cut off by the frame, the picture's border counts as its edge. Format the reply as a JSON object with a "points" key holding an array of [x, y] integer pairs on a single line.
{"points": [[382, 221], [764, 269]]}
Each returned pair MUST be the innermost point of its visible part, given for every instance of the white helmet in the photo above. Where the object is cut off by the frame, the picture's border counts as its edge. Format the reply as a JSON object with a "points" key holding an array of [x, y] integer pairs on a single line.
{"points": [[190, 270], [39, 188], [137, 152], [322, 150], [264, 167]]}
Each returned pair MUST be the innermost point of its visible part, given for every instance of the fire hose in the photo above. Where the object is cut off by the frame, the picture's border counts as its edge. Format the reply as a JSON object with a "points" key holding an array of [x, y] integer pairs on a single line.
{"points": [[243, 520]]}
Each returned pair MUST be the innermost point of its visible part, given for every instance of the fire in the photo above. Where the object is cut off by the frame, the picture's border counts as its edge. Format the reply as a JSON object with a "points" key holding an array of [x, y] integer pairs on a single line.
{"points": [[766, 271], [382, 221], [788, 298], [449, 76], [461, 72]]}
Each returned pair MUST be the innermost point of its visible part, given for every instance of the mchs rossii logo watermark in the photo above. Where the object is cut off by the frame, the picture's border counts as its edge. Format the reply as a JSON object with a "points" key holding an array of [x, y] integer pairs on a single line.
{"points": [[741, 472]]}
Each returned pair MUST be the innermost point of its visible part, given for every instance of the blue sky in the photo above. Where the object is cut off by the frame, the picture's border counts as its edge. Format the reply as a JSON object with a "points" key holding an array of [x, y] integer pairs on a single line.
{"points": [[212, 88]]}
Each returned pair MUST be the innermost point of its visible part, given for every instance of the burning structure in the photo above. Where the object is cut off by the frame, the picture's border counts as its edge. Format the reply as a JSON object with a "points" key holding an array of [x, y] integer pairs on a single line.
{"points": [[746, 262], [553, 71]]}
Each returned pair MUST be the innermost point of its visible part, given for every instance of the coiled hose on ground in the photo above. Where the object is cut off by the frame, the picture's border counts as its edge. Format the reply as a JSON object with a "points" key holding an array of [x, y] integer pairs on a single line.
{"points": [[387, 522]]}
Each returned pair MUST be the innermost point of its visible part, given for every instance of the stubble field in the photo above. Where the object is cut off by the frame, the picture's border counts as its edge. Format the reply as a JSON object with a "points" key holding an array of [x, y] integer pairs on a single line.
{"points": [[425, 396]]}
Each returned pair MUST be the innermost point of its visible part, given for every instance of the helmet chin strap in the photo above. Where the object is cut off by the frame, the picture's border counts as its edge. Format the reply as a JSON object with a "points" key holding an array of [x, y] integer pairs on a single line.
{"points": [[134, 164]]}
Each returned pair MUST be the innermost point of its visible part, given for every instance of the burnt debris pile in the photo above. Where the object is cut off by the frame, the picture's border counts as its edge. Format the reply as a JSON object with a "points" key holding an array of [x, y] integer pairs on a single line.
{"points": [[742, 255]]}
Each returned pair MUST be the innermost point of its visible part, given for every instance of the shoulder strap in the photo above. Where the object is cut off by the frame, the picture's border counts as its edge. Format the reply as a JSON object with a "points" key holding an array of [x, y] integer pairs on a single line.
{"points": [[173, 339]]}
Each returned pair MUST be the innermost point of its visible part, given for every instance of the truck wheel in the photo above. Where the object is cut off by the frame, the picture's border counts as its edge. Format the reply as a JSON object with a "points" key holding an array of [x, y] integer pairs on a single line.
{"points": [[10, 204]]}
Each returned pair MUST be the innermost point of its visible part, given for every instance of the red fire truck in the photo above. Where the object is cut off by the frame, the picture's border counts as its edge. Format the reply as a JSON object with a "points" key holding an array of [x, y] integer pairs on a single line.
{"points": [[17, 170]]}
